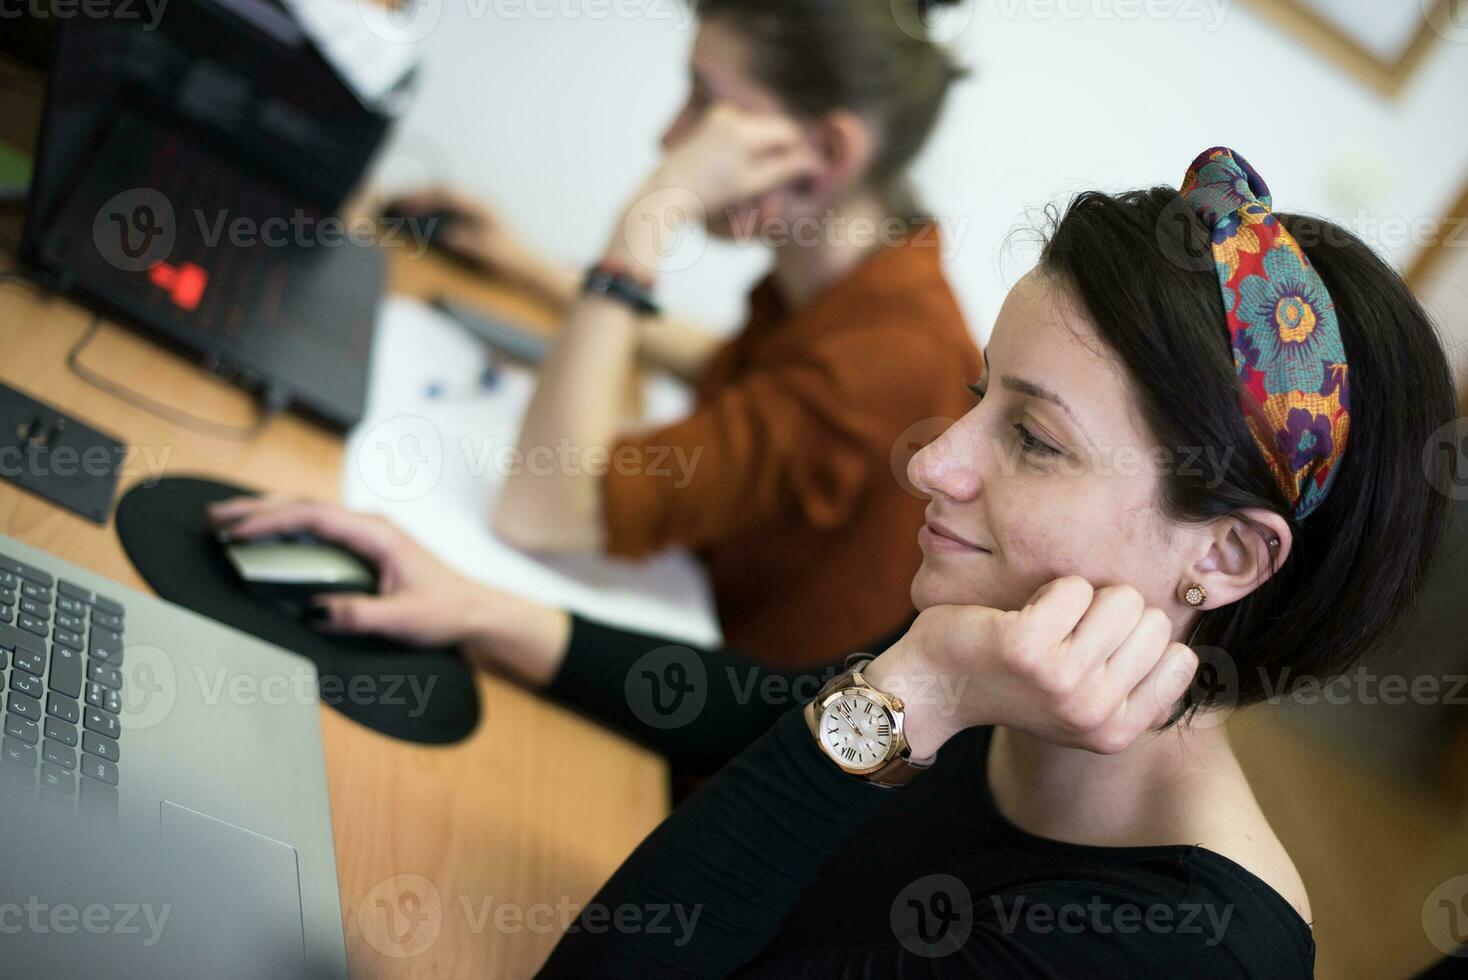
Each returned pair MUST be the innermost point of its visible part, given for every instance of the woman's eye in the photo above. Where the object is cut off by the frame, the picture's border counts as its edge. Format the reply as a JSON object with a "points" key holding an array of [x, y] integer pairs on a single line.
{"points": [[1030, 444], [977, 391]]}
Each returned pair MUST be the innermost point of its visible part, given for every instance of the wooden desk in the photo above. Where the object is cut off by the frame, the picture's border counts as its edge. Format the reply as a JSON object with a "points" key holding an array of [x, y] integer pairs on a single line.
{"points": [[532, 813]]}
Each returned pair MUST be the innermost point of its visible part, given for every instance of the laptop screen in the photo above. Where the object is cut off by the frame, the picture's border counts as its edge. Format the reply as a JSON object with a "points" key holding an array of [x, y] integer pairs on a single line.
{"points": [[237, 77]]}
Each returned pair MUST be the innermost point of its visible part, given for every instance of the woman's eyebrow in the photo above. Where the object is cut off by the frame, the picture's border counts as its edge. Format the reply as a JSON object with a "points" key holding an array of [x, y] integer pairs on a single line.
{"points": [[1033, 390]]}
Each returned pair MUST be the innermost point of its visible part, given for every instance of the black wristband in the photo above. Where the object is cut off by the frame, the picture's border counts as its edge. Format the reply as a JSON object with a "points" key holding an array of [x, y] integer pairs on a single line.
{"points": [[601, 281]]}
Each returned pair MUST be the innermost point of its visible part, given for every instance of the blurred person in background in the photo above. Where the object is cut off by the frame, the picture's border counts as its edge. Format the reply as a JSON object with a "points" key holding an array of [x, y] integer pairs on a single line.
{"points": [[801, 122]]}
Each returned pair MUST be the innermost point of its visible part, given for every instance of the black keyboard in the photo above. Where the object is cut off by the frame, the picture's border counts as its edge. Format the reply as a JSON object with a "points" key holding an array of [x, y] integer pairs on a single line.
{"points": [[60, 666]]}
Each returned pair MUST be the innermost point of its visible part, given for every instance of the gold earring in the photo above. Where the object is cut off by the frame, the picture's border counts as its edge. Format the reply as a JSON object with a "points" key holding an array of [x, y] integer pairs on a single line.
{"points": [[1196, 595]]}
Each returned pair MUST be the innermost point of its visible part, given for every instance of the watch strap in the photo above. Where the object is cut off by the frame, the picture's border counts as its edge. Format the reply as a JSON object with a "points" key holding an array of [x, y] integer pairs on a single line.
{"points": [[607, 280]]}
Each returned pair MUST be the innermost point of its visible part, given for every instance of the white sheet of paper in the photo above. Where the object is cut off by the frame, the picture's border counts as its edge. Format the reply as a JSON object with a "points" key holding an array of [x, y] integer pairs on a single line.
{"points": [[432, 453]]}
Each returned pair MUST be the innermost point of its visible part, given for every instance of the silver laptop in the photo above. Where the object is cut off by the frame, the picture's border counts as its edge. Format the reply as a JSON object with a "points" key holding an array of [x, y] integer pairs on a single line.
{"points": [[163, 805]]}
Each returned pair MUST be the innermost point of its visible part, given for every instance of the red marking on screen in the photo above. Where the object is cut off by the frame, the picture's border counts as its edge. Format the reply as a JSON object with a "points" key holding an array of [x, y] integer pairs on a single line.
{"points": [[184, 283]]}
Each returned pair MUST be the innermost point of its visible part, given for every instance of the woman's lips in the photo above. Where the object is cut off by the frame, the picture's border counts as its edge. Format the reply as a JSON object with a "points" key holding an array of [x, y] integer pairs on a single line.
{"points": [[936, 537]]}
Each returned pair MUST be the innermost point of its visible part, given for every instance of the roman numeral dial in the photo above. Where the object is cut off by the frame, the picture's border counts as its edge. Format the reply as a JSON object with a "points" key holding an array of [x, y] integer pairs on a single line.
{"points": [[856, 731]]}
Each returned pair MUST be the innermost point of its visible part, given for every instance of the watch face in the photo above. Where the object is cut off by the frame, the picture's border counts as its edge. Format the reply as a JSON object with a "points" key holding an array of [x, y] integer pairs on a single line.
{"points": [[856, 731]]}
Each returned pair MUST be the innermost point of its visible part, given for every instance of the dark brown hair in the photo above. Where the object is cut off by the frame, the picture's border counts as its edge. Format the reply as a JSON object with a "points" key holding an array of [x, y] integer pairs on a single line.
{"points": [[868, 56], [1141, 266]]}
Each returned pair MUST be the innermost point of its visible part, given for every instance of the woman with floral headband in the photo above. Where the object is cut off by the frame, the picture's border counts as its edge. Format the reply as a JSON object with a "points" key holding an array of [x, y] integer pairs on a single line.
{"points": [[1033, 778]]}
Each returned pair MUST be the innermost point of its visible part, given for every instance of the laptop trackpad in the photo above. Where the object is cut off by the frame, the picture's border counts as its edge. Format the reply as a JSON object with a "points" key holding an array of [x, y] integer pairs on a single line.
{"points": [[241, 908]]}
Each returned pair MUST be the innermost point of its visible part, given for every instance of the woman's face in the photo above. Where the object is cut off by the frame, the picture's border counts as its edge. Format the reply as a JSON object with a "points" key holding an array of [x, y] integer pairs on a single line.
{"points": [[1051, 473], [718, 70]]}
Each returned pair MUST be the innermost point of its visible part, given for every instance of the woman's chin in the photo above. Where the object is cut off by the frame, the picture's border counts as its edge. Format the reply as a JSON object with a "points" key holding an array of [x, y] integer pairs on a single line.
{"points": [[935, 585]]}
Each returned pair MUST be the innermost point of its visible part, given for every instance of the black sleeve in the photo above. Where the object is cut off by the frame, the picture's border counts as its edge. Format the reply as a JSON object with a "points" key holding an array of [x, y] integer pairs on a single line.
{"points": [[698, 707], [722, 872]]}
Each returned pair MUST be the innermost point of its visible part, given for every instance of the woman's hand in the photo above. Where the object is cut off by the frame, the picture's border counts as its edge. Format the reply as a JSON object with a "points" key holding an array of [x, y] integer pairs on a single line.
{"points": [[1087, 668], [420, 600], [733, 157]]}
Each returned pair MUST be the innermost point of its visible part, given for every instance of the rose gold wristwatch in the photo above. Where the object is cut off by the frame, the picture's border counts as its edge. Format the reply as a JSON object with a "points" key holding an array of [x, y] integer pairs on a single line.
{"points": [[860, 728]]}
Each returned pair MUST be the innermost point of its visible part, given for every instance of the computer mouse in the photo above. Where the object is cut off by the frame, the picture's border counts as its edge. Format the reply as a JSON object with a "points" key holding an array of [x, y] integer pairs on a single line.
{"points": [[432, 222], [287, 570]]}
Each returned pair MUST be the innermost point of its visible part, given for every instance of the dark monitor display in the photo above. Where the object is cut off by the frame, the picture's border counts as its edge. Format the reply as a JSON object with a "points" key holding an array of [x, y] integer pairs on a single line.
{"points": [[160, 139], [238, 78]]}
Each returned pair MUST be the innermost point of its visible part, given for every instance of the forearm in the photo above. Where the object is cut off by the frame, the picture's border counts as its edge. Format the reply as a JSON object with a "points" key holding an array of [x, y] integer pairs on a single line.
{"points": [[730, 863], [679, 347], [696, 706], [553, 500], [576, 412], [557, 285]]}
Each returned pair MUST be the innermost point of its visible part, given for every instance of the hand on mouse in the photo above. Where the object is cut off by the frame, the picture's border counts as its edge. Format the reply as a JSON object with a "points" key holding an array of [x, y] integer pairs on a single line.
{"points": [[1077, 666], [421, 601]]}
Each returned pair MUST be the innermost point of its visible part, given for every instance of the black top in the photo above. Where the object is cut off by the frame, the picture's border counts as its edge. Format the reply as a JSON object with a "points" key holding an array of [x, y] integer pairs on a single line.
{"points": [[783, 866]]}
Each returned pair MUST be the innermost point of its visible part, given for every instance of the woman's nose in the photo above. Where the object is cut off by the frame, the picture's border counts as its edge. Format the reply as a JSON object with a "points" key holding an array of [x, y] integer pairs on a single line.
{"points": [[949, 465], [676, 130]]}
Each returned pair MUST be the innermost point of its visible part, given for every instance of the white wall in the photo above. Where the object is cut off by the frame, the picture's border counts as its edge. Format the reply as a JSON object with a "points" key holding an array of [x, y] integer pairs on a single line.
{"points": [[551, 109]]}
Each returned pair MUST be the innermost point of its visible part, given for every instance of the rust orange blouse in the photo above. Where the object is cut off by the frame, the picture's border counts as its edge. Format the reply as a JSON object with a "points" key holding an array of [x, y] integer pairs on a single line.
{"points": [[802, 426]]}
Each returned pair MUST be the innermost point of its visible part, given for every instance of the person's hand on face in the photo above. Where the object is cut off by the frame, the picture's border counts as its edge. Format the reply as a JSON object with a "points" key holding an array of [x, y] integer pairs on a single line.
{"points": [[1086, 668], [735, 160]]}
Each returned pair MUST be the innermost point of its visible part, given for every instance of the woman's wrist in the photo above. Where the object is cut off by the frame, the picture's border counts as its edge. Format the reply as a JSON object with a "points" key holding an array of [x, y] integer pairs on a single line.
{"points": [[651, 227], [508, 634], [931, 698]]}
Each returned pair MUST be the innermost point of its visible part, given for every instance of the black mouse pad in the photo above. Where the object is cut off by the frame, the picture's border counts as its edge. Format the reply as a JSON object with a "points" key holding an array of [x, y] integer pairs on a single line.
{"points": [[409, 693]]}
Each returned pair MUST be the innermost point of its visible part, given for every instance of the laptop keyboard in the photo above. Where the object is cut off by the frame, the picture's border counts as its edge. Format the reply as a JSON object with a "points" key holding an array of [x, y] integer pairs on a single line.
{"points": [[60, 663]]}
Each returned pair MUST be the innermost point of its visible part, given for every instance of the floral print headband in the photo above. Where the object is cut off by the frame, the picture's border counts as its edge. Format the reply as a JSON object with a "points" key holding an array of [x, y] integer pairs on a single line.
{"points": [[1282, 327]]}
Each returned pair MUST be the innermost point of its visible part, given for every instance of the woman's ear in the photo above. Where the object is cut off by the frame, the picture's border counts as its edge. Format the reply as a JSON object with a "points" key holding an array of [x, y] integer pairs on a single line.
{"points": [[845, 144], [1239, 553]]}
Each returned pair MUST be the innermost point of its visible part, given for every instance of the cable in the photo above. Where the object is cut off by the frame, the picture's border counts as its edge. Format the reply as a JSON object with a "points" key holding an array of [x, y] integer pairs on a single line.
{"points": [[17, 276], [272, 403]]}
